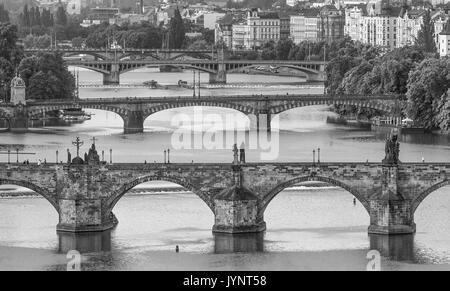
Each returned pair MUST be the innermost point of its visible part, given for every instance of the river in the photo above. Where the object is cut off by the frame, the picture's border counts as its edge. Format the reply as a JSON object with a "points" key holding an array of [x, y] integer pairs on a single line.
{"points": [[307, 227]]}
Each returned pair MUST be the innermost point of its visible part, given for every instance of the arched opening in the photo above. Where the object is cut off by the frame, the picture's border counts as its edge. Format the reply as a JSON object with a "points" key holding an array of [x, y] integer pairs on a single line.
{"points": [[193, 130], [82, 121], [28, 216], [306, 118], [315, 214], [432, 217], [86, 76], [160, 214]]}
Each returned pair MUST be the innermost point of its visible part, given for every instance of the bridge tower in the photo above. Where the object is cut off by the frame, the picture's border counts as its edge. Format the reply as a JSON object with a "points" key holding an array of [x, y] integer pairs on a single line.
{"points": [[19, 121]]}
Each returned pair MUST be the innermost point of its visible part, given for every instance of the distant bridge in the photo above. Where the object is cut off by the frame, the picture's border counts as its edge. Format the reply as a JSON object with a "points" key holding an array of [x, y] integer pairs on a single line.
{"points": [[259, 108], [113, 63], [111, 70]]}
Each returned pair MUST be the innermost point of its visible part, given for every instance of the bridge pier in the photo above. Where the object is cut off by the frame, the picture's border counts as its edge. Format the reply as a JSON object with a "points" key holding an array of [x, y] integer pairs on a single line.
{"points": [[390, 213], [113, 78], [83, 215], [133, 123], [236, 211], [320, 77], [218, 78], [19, 121]]}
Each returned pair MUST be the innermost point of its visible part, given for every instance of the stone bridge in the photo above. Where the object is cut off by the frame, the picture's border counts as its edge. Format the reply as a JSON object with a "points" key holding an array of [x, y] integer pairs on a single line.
{"points": [[259, 108], [237, 193]]}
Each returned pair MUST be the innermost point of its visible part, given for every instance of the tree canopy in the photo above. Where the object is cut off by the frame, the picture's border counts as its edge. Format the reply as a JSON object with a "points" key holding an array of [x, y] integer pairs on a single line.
{"points": [[177, 31], [47, 77]]}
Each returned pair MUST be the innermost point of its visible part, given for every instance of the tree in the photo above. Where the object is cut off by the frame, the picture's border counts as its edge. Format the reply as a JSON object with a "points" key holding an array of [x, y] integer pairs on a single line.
{"points": [[268, 51], [283, 49], [8, 44], [425, 37], [427, 87], [177, 31], [61, 17], [4, 15], [47, 77], [25, 16]]}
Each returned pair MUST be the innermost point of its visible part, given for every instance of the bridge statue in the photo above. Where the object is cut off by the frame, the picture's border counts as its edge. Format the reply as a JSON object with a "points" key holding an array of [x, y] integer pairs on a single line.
{"points": [[392, 150]]}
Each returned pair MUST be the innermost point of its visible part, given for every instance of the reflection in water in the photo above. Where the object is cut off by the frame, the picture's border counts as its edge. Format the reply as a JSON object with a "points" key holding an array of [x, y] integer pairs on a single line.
{"points": [[88, 242], [238, 243], [394, 247]]}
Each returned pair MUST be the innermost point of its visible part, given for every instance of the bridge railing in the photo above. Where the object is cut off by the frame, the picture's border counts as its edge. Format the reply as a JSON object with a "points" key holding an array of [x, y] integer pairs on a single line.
{"points": [[254, 97], [181, 62]]}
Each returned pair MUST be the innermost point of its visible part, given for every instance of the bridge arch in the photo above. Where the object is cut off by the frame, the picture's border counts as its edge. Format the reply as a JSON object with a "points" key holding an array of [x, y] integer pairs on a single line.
{"points": [[88, 53], [34, 112], [415, 203], [358, 103], [305, 70], [44, 193], [247, 110], [200, 68], [96, 69], [117, 195], [280, 187]]}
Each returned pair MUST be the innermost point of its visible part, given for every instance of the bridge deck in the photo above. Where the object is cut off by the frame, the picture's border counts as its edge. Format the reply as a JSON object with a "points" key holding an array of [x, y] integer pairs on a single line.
{"points": [[256, 97], [212, 164]]}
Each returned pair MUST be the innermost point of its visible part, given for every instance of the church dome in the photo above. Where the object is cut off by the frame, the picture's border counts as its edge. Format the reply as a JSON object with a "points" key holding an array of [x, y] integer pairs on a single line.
{"points": [[77, 161], [17, 82]]}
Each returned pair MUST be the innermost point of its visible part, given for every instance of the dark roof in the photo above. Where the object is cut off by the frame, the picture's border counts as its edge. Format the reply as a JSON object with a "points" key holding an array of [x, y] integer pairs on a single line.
{"points": [[361, 6], [446, 30], [310, 12], [391, 11], [227, 19]]}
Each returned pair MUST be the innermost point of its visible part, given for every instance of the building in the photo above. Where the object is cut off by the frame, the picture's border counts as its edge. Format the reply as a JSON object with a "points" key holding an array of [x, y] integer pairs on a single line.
{"points": [[210, 19], [353, 20], [285, 25], [292, 3], [331, 23], [444, 40], [305, 26], [409, 23], [262, 27], [383, 25], [100, 15], [439, 19], [223, 32], [240, 39]]}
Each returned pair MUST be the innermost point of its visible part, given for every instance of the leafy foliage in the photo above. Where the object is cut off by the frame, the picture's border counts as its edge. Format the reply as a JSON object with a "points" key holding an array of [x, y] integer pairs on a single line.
{"points": [[428, 86], [177, 31], [47, 77], [425, 37]]}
